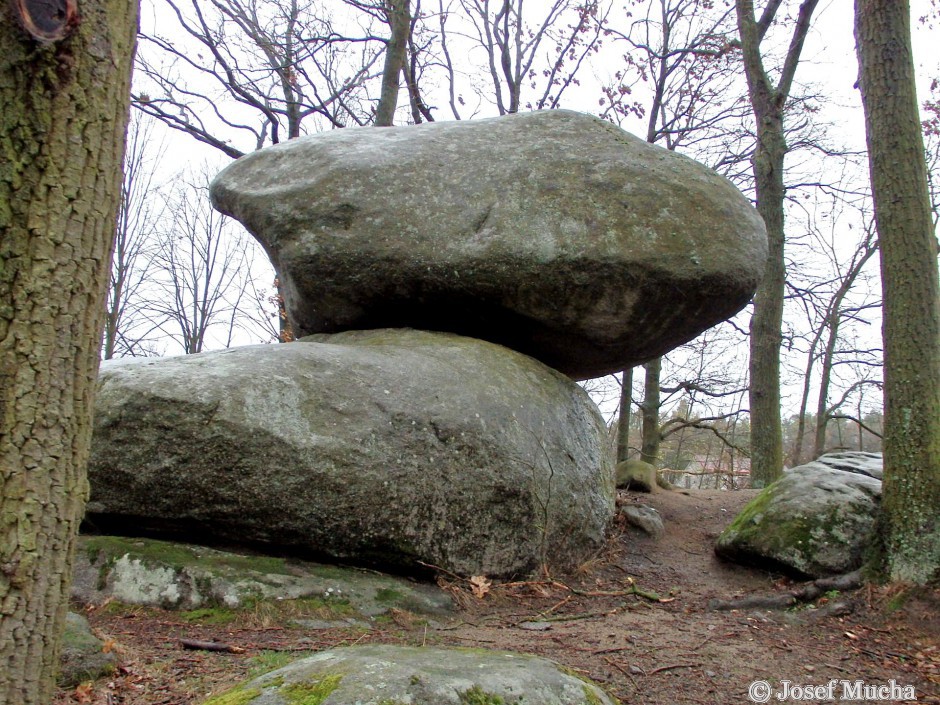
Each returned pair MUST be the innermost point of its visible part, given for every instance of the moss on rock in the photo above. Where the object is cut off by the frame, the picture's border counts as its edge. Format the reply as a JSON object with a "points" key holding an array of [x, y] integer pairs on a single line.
{"points": [[812, 522]]}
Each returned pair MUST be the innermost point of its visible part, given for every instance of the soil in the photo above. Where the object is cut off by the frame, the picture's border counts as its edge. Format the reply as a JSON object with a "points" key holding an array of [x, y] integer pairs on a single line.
{"points": [[635, 620]]}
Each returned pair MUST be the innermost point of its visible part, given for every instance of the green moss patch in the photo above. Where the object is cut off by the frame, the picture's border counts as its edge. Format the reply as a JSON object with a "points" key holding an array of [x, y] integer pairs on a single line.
{"points": [[590, 697], [179, 556], [311, 692], [389, 596], [477, 696], [217, 616], [268, 661]]}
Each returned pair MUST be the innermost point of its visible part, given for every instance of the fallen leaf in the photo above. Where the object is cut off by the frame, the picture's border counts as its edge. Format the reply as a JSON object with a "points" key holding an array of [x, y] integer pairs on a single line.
{"points": [[852, 636], [480, 585], [85, 692], [108, 646]]}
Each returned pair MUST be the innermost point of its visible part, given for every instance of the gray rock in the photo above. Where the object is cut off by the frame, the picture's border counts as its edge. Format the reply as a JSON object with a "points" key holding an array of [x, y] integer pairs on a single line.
{"points": [[553, 233], [396, 675], [870, 464], [813, 522], [391, 448], [83, 657], [170, 575], [644, 518]]}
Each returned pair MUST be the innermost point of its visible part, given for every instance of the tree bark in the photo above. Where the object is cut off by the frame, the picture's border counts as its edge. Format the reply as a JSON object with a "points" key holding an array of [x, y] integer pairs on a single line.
{"points": [[399, 20], [767, 320], [623, 420], [911, 320], [651, 404], [62, 125]]}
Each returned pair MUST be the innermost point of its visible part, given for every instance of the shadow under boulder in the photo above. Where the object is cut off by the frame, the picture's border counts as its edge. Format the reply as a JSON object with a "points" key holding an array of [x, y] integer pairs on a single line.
{"points": [[180, 576]]}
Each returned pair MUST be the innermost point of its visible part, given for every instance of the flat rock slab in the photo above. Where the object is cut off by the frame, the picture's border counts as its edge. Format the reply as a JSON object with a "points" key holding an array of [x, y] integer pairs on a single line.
{"points": [[399, 675], [172, 575], [553, 233], [859, 462], [813, 522], [386, 448]]}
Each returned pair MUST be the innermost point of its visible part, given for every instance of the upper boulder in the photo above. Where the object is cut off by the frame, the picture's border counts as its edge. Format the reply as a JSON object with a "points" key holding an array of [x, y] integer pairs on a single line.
{"points": [[553, 233]]}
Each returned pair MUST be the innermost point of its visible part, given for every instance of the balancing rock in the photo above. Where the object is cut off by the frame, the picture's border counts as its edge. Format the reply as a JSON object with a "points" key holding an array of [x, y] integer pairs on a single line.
{"points": [[553, 233]]}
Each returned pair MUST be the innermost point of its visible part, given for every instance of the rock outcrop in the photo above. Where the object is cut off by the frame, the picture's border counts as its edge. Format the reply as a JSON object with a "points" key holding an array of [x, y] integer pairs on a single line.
{"points": [[813, 522], [387, 447], [553, 233], [388, 675]]}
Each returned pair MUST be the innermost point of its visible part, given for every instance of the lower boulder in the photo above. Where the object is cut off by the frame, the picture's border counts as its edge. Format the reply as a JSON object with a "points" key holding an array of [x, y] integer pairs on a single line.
{"points": [[389, 675], [395, 448], [815, 521]]}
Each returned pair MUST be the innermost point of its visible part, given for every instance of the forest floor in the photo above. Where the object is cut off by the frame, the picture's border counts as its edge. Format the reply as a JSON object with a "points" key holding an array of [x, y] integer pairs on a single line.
{"points": [[604, 622]]}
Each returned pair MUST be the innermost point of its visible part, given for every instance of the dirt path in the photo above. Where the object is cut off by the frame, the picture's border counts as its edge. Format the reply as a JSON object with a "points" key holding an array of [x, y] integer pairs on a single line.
{"points": [[642, 650]]}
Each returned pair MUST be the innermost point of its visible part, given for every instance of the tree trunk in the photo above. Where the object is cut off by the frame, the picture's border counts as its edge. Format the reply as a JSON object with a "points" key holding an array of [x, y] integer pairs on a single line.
{"points": [[911, 327], [767, 321], [651, 404], [825, 378], [62, 128], [623, 420], [768, 102], [399, 20]]}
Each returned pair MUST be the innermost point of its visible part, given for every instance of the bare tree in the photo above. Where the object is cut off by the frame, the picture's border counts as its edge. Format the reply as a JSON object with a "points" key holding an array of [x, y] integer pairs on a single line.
{"points": [[932, 146], [253, 72], [398, 16], [683, 52], [768, 97], [526, 47], [623, 415], [202, 278], [126, 331], [828, 304]]}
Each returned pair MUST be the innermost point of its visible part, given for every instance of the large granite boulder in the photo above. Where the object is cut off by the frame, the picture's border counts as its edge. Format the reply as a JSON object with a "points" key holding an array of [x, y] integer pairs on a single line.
{"points": [[814, 522], [383, 674], [386, 447], [552, 233]]}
